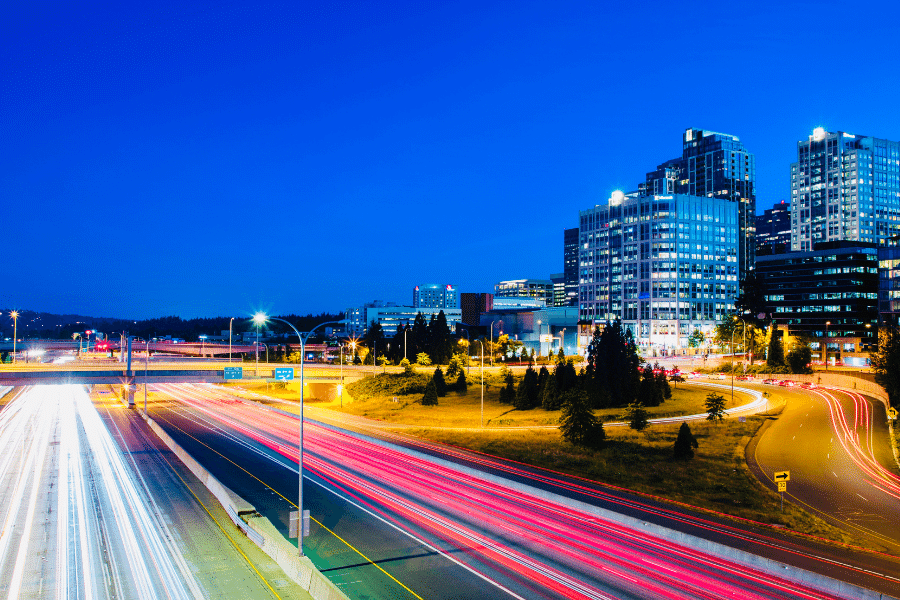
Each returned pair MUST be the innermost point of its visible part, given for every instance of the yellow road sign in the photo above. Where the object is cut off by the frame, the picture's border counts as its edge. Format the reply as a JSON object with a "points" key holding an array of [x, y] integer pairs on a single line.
{"points": [[782, 475], [892, 413], [782, 486]]}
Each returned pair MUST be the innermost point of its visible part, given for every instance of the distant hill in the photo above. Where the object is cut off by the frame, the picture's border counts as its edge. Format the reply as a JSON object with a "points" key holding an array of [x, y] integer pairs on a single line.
{"points": [[43, 325]]}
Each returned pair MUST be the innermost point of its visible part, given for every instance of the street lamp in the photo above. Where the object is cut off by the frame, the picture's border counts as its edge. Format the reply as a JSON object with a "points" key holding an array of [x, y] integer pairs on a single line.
{"points": [[732, 363], [825, 346], [230, 323], [482, 383], [258, 319], [15, 317], [405, 330], [492, 342], [302, 385]]}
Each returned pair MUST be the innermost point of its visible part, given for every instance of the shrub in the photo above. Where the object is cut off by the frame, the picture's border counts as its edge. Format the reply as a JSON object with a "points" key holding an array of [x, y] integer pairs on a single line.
{"points": [[408, 367], [798, 359], [439, 384], [423, 359], [578, 424], [461, 384], [637, 416]]}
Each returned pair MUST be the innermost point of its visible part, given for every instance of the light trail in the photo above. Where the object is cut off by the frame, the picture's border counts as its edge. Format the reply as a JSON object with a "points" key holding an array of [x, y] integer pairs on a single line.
{"points": [[502, 531], [69, 482]]}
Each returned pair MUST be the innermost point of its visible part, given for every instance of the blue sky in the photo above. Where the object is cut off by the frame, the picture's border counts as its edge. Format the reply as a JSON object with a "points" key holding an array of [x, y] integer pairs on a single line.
{"points": [[214, 158]]}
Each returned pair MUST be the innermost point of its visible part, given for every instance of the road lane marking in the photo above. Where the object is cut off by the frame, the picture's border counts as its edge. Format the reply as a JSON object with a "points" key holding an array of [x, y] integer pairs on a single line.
{"points": [[862, 497]]}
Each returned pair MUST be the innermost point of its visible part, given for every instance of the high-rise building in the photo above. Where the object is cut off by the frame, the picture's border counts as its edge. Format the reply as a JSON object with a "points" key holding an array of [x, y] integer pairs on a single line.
{"points": [[435, 296], [664, 265], [714, 165], [773, 230], [570, 265], [844, 187], [532, 288]]}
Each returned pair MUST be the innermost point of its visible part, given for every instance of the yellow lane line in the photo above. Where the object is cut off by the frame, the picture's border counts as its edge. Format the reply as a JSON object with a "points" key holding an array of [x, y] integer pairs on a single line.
{"points": [[349, 545]]}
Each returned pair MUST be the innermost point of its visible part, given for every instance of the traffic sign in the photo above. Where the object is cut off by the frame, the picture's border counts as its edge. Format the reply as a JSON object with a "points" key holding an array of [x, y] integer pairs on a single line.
{"points": [[546, 337], [284, 373], [782, 486], [234, 373], [892, 413], [782, 475]]}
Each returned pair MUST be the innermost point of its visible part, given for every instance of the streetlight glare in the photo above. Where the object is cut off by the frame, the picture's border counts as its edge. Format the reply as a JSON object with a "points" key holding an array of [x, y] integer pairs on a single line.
{"points": [[259, 318]]}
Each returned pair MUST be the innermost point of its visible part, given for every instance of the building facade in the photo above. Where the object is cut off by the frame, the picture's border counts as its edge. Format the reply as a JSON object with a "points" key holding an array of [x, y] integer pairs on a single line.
{"points": [[713, 165], [889, 285], [570, 265], [829, 293], [663, 265], [392, 317], [435, 296], [844, 187], [533, 288], [473, 305], [773, 230]]}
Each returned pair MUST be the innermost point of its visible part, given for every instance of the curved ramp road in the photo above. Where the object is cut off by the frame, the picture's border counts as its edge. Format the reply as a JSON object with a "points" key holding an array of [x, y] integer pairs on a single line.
{"points": [[835, 445], [75, 519], [482, 537]]}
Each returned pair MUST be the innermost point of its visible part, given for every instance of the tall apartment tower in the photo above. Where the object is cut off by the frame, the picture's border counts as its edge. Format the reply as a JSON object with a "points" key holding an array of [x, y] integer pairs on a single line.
{"points": [[663, 264], [435, 296], [570, 266], [844, 187], [713, 165], [773, 230]]}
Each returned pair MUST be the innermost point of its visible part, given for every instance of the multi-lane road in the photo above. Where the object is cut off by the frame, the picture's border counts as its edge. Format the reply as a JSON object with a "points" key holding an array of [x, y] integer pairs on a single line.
{"points": [[392, 522], [93, 506]]}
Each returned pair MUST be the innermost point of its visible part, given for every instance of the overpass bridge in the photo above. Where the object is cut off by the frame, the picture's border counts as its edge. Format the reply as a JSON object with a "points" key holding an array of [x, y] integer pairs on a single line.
{"points": [[211, 349]]}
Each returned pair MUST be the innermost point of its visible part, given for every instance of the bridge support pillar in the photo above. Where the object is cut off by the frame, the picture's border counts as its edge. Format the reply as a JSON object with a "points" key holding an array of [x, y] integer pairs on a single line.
{"points": [[128, 392]]}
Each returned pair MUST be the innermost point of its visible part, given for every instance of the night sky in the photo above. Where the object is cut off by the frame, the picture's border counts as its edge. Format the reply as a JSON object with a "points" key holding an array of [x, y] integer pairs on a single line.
{"points": [[218, 159]]}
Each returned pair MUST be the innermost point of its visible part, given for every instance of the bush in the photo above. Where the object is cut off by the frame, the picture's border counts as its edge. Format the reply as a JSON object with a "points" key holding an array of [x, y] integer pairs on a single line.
{"points": [[423, 359], [408, 367], [389, 384], [462, 385], [798, 359], [637, 416]]}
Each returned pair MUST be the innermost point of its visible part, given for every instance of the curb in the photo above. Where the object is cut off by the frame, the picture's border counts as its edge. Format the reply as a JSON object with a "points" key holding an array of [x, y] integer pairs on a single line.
{"points": [[256, 527]]}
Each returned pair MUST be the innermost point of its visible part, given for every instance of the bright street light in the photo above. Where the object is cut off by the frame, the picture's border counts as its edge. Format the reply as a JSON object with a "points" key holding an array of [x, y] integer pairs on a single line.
{"points": [[15, 317], [258, 319]]}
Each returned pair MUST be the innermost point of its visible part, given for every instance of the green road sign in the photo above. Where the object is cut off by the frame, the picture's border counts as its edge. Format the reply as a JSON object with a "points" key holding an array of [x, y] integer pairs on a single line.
{"points": [[234, 373], [284, 373]]}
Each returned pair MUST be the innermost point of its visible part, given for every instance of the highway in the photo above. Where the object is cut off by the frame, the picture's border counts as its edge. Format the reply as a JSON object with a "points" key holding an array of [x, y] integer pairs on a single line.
{"points": [[835, 445], [76, 522], [394, 523]]}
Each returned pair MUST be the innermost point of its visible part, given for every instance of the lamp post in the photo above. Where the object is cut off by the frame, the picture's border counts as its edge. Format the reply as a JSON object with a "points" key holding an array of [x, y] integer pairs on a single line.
{"points": [[732, 363], [540, 343], [482, 383], [341, 394], [825, 345], [405, 330], [258, 319], [300, 445], [146, 374], [562, 340], [468, 362], [230, 323], [492, 342], [15, 317]]}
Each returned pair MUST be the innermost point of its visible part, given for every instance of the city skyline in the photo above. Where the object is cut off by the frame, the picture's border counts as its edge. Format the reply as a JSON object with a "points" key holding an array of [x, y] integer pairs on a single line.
{"points": [[202, 161]]}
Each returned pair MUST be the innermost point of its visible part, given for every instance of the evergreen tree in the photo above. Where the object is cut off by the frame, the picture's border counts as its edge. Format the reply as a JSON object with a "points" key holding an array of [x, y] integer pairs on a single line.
{"points": [[715, 407], [431, 397], [637, 416], [508, 391], [417, 338], [775, 357], [663, 382], [531, 356], [648, 391], [578, 424], [685, 443], [521, 400], [614, 365], [560, 356], [439, 384], [396, 349], [550, 394], [375, 336], [440, 344], [543, 374], [531, 386], [461, 384]]}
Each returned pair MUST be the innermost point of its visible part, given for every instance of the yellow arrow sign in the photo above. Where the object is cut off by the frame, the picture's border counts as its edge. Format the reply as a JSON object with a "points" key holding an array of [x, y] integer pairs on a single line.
{"points": [[782, 486], [892, 413], [782, 475]]}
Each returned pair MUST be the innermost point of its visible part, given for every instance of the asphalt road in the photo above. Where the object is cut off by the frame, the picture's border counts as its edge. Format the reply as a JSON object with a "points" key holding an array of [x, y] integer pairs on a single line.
{"points": [[836, 446], [410, 527]]}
